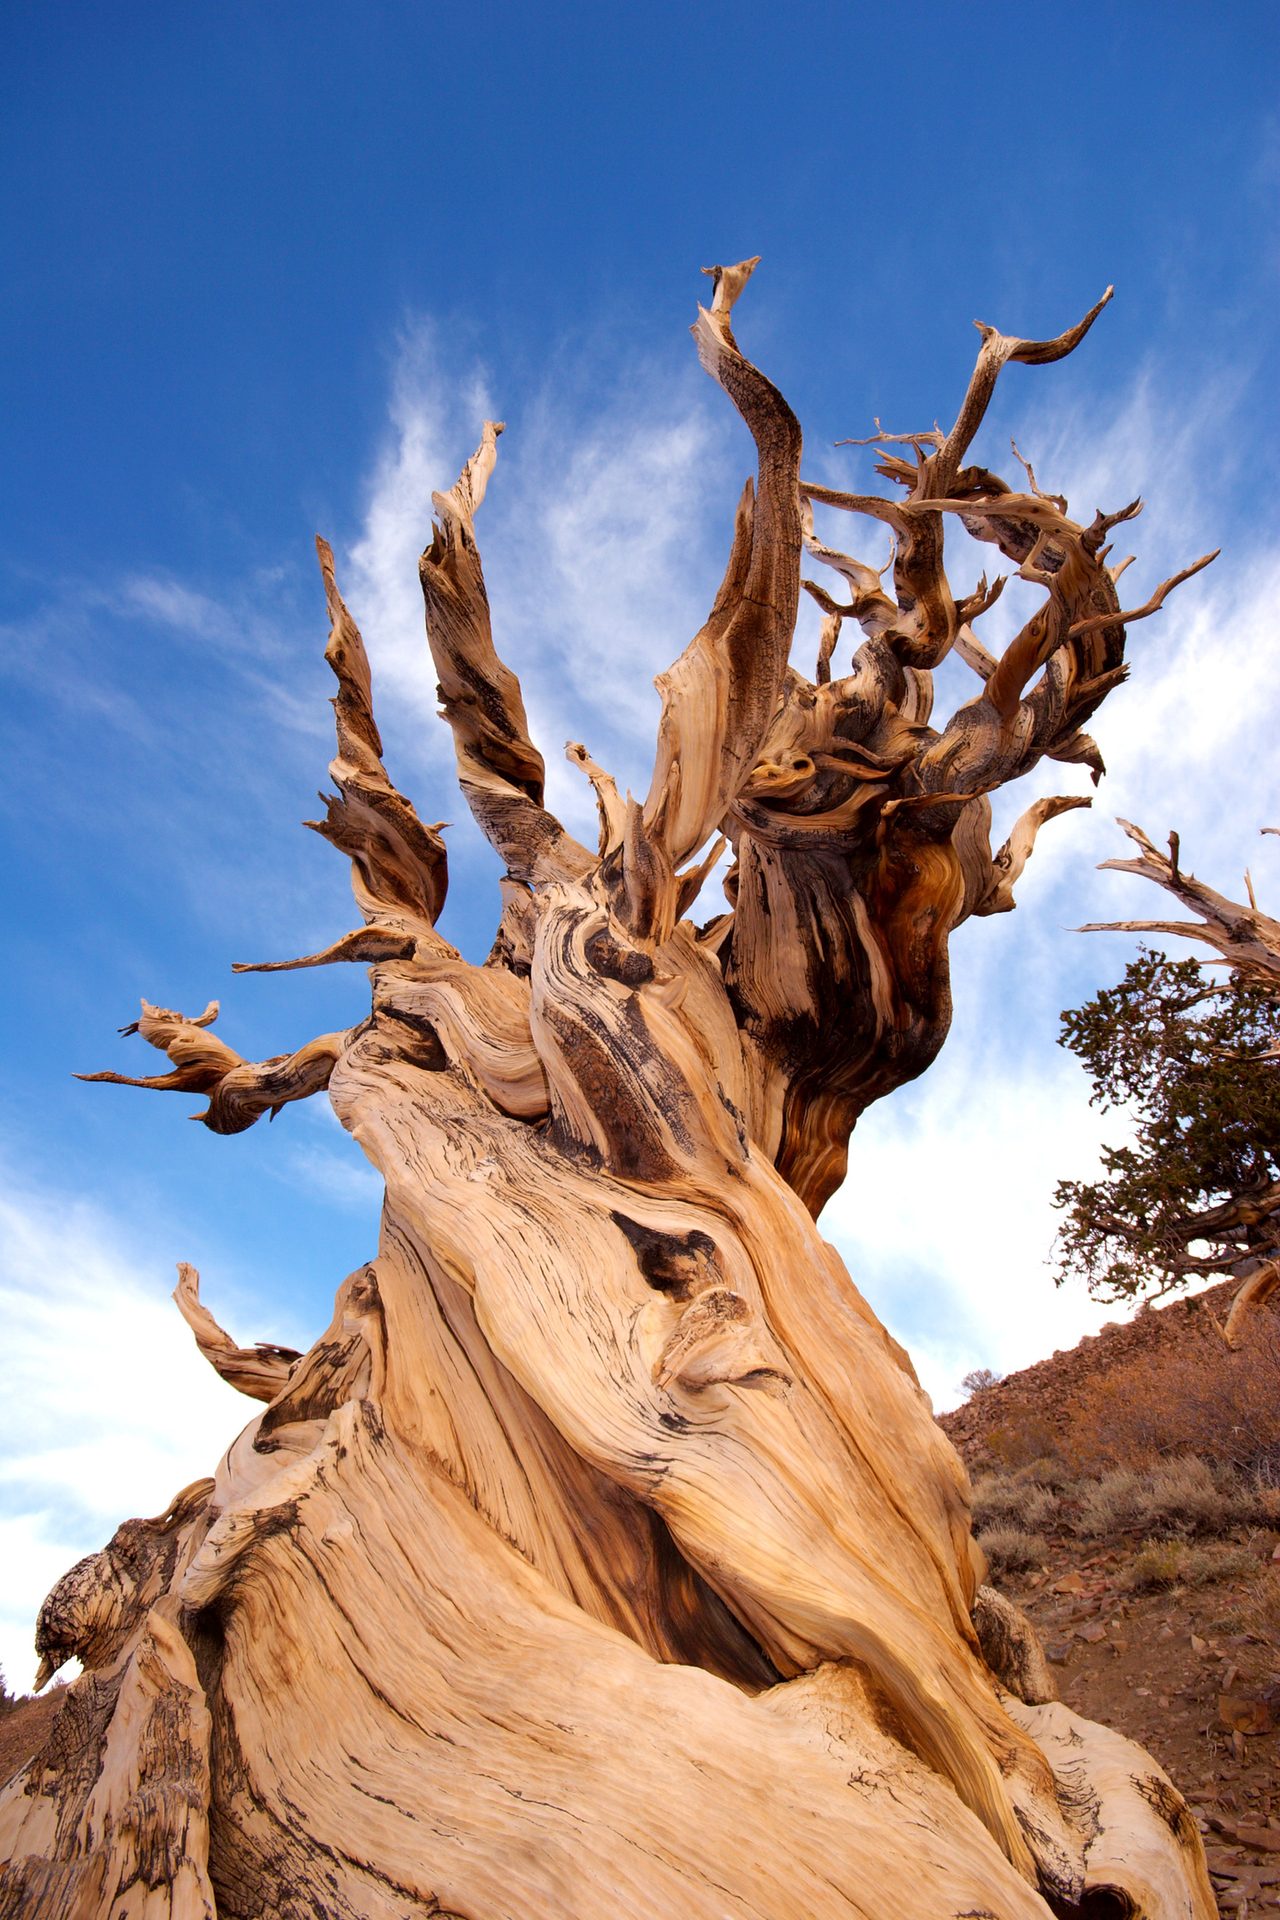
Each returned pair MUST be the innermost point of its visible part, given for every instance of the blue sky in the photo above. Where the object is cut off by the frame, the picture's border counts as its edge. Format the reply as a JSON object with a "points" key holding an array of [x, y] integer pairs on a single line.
{"points": [[266, 271]]}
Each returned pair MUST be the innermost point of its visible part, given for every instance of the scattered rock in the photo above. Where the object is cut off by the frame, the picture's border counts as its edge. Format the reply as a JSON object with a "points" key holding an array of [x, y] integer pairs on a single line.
{"points": [[1257, 1837], [1243, 1714], [1170, 1654], [1043, 1394]]}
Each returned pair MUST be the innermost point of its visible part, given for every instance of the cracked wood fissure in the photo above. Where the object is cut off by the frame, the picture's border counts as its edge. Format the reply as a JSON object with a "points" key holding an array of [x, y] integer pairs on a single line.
{"points": [[602, 1558]]}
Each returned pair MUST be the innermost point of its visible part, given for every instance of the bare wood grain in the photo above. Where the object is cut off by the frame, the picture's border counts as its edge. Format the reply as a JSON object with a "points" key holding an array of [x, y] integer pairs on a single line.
{"points": [[602, 1557]]}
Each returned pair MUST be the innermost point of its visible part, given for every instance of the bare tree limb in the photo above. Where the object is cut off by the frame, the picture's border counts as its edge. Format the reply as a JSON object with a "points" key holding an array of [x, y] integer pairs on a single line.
{"points": [[1247, 938], [500, 771], [399, 869], [721, 694], [259, 1371], [996, 351], [1097, 621], [240, 1091], [1009, 862]]}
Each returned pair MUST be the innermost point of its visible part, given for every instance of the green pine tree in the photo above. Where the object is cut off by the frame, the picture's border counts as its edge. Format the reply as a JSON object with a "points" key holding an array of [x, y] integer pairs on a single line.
{"points": [[1195, 1192]]}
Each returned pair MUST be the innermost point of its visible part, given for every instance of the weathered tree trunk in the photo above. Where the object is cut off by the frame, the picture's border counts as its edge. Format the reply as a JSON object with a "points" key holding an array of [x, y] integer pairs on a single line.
{"points": [[603, 1557]]}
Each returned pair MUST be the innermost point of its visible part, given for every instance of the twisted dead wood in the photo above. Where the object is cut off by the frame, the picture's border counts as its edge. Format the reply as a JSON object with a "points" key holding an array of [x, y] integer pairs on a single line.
{"points": [[603, 1558]]}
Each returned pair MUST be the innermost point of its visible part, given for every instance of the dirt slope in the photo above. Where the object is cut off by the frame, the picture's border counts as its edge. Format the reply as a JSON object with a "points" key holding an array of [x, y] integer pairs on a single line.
{"points": [[1040, 1399], [1191, 1669]]}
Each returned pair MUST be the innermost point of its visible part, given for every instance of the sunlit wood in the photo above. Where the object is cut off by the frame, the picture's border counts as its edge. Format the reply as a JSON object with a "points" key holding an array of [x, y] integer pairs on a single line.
{"points": [[603, 1557]]}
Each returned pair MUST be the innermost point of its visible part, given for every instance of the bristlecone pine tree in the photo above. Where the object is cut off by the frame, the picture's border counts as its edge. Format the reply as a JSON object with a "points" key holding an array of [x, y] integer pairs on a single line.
{"points": [[602, 1559], [1196, 1057]]}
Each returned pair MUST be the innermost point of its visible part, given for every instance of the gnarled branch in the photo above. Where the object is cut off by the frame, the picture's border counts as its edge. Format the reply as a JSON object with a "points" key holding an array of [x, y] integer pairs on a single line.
{"points": [[604, 1483], [721, 694], [260, 1371], [864, 829], [240, 1091], [1247, 938], [399, 872], [500, 771]]}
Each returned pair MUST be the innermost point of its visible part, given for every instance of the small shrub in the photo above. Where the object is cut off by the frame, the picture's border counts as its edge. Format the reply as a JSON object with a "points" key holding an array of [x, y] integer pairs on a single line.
{"points": [[1003, 1500], [1012, 1549], [1048, 1471], [1267, 1498], [1183, 1495], [1113, 1503], [1159, 1564], [1172, 1563], [1206, 1565], [1259, 1612], [980, 1378]]}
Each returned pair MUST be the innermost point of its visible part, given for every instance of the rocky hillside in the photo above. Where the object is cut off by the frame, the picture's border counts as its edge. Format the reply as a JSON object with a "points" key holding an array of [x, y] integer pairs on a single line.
{"points": [[1127, 1494], [1039, 1405]]}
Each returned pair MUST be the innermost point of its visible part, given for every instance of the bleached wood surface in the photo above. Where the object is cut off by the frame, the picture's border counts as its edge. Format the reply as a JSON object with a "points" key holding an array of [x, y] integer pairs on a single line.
{"points": [[603, 1559]]}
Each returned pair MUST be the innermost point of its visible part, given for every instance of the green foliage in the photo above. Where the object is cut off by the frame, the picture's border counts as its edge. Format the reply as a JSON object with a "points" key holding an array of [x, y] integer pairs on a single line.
{"points": [[1181, 1053]]}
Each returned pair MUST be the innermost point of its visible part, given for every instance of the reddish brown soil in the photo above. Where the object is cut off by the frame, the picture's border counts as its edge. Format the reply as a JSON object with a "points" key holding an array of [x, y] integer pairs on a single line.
{"points": [[24, 1728], [1129, 1660], [1173, 1668], [1040, 1400]]}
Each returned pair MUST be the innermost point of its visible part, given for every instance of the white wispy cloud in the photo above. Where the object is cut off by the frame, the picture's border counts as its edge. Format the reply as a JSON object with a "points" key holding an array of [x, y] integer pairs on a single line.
{"points": [[175, 605], [326, 1162], [617, 548], [946, 1219], [435, 413], [108, 1407], [50, 651], [603, 534], [246, 630]]}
